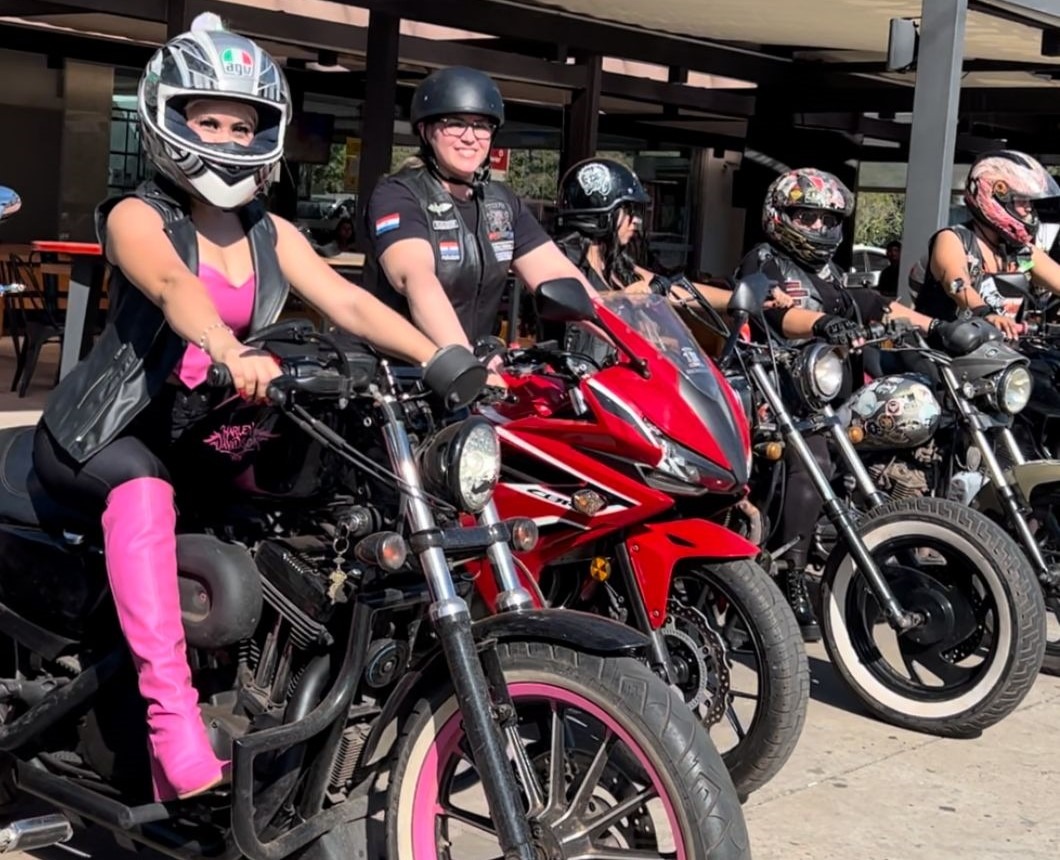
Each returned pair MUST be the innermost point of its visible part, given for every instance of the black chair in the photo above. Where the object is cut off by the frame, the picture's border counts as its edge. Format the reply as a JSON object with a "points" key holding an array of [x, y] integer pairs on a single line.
{"points": [[35, 318]]}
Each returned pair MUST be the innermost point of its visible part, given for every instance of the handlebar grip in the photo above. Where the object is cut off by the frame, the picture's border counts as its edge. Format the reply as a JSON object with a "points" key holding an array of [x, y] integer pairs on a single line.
{"points": [[277, 390], [219, 376]]}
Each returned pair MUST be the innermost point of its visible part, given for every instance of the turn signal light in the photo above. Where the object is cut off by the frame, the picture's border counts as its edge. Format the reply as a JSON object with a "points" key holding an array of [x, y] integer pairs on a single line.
{"points": [[588, 502], [856, 433], [524, 533], [600, 569], [387, 550], [770, 450]]}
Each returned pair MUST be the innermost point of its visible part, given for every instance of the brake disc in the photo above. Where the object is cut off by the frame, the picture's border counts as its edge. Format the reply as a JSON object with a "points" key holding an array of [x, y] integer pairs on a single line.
{"points": [[691, 637]]}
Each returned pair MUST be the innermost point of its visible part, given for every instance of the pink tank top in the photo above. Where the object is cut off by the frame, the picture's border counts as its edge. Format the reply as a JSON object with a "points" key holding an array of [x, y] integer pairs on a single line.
{"points": [[234, 304]]}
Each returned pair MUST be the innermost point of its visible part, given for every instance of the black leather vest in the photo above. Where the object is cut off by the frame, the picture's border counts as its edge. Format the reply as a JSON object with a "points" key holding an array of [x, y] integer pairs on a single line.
{"points": [[471, 266], [797, 282], [137, 351], [932, 299]]}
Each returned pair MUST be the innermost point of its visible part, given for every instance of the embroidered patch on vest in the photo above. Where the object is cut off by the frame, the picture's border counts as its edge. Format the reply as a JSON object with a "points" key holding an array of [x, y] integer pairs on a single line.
{"points": [[501, 234], [439, 208], [444, 225], [449, 251]]}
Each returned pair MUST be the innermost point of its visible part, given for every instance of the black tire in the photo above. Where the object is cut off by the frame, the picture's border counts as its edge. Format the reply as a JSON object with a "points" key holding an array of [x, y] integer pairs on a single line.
{"points": [[782, 667], [676, 746], [1011, 669]]}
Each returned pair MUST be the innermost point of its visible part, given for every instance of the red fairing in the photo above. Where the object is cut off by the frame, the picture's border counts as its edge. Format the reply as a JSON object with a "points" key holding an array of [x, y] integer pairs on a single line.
{"points": [[656, 548], [617, 433]]}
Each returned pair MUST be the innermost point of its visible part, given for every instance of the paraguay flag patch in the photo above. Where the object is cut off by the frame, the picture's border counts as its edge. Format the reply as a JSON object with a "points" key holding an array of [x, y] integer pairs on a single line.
{"points": [[449, 250], [387, 223]]}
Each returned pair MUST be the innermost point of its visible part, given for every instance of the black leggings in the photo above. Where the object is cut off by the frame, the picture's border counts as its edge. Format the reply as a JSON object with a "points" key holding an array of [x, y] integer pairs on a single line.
{"points": [[85, 486], [145, 450], [802, 503]]}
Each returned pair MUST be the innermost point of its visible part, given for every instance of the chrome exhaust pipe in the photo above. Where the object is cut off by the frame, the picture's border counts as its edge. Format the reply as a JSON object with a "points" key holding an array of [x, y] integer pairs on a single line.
{"points": [[29, 834]]}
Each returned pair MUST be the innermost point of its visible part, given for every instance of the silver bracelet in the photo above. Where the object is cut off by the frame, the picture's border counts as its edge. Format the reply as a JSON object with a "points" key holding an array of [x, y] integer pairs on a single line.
{"points": [[208, 329]]}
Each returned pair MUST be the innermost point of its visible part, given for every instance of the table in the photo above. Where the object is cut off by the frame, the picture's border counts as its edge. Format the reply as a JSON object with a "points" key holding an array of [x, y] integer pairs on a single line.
{"points": [[86, 288]]}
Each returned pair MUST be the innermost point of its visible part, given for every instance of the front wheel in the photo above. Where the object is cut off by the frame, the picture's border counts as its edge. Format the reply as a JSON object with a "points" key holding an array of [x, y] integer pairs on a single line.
{"points": [[619, 768], [980, 650]]}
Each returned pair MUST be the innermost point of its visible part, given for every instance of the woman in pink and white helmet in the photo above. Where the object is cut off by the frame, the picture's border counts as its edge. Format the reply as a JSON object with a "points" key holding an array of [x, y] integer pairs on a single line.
{"points": [[1006, 191]]}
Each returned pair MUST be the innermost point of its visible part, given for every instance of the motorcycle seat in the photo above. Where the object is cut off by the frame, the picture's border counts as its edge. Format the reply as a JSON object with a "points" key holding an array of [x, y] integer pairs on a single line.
{"points": [[22, 498]]}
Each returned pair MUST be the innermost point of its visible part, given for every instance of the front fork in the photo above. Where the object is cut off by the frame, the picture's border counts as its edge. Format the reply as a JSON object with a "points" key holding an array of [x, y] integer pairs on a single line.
{"points": [[482, 717], [897, 617], [1012, 502]]}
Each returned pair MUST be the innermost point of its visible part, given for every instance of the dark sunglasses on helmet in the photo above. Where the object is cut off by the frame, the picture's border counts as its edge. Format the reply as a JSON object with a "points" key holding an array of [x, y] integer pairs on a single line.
{"points": [[483, 129], [810, 218]]}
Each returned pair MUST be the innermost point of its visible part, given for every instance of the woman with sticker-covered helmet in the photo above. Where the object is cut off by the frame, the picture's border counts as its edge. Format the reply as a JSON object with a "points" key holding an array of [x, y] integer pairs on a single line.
{"points": [[443, 236], [803, 216], [1006, 194], [197, 265]]}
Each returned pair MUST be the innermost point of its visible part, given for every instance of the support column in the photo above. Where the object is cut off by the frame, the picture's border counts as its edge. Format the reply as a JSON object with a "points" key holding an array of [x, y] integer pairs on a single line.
{"points": [[377, 117], [88, 90], [179, 15], [581, 116], [934, 132]]}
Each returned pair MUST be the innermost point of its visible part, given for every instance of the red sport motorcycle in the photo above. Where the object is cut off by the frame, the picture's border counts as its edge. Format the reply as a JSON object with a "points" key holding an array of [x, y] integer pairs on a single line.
{"points": [[603, 456]]}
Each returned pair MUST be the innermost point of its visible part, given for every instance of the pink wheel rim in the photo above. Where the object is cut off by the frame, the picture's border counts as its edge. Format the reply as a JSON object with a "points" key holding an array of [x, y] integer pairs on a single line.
{"points": [[425, 807]]}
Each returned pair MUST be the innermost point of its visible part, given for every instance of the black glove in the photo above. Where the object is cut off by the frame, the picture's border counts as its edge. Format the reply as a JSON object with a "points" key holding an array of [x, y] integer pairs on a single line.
{"points": [[836, 330], [455, 375]]}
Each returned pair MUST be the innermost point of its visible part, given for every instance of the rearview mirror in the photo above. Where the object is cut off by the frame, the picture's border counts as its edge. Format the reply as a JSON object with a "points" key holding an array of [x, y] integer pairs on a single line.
{"points": [[10, 202], [564, 300], [1013, 285], [750, 294]]}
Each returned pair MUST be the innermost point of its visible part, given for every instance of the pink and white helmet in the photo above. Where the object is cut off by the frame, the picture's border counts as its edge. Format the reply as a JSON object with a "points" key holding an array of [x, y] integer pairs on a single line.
{"points": [[999, 182]]}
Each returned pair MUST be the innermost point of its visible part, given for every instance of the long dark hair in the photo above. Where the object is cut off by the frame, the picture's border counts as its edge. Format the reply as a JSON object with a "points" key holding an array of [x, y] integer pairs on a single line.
{"points": [[620, 263]]}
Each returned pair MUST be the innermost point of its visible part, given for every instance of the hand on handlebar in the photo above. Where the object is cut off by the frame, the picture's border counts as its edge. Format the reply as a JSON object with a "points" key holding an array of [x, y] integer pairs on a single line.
{"points": [[1008, 327], [251, 370], [839, 331]]}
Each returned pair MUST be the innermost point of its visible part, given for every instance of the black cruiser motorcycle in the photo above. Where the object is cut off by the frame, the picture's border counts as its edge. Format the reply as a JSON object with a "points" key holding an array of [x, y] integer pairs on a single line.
{"points": [[931, 613]]}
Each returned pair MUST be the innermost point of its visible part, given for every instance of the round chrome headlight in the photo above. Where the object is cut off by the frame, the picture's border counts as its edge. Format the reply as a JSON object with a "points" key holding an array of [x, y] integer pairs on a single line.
{"points": [[819, 374], [462, 463], [1014, 389]]}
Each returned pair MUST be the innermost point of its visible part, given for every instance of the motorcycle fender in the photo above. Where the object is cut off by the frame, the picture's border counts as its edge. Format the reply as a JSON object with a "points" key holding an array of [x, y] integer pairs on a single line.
{"points": [[581, 631], [1028, 477], [655, 548]]}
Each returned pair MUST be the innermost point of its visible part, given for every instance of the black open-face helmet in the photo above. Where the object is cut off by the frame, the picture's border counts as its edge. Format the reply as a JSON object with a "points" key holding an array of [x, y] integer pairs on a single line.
{"points": [[591, 194], [449, 92], [454, 91]]}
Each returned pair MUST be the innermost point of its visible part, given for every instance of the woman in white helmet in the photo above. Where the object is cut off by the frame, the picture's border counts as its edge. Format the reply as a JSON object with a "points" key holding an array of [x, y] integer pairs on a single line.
{"points": [[198, 264]]}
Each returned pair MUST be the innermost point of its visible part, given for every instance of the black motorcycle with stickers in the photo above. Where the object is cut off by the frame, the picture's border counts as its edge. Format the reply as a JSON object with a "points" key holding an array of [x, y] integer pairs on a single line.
{"points": [[930, 611]]}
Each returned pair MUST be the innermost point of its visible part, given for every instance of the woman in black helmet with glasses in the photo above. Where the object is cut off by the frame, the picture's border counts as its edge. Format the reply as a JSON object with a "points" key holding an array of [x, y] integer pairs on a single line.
{"points": [[443, 237]]}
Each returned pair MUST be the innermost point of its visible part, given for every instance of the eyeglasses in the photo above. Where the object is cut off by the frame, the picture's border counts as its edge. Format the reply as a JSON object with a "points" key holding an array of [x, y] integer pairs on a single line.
{"points": [[810, 217], [481, 128]]}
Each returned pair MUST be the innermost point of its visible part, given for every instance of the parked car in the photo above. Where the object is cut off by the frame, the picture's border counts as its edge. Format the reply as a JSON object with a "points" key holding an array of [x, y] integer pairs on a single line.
{"points": [[320, 214], [867, 261]]}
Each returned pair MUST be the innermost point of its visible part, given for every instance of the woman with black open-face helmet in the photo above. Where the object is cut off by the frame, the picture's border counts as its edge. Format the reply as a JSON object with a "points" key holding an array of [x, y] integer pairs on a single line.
{"points": [[443, 236]]}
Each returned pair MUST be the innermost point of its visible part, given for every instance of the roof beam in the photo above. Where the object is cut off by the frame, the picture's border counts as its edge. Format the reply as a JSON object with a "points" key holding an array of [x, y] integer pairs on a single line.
{"points": [[727, 102], [501, 18]]}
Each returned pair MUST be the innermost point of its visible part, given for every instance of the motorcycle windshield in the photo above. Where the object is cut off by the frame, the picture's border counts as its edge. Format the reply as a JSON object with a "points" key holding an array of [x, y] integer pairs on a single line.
{"points": [[654, 319]]}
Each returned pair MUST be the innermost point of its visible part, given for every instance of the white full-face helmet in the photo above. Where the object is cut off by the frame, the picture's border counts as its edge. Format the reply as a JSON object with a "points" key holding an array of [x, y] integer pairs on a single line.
{"points": [[209, 62]]}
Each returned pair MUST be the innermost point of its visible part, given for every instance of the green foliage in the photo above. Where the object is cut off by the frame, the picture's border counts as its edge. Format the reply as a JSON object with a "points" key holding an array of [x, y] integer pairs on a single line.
{"points": [[879, 218], [327, 178]]}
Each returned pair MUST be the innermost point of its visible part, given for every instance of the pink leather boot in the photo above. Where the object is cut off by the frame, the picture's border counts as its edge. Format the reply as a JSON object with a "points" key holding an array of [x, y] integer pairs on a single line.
{"points": [[139, 536]]}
